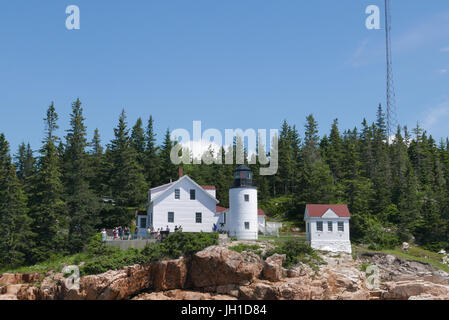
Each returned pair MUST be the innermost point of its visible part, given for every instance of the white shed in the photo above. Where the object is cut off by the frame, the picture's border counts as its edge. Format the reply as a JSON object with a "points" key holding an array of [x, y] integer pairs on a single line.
{"points": [[327, 227]]}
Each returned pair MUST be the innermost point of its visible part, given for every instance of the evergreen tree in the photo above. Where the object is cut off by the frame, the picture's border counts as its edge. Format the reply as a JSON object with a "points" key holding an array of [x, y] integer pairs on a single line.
{"points": [[335, 151], [82, 204], [25, 162], [316, 181], [47, 207], [381, 123], [138, 141], [409, 205], [100, 167], [167, 168], [151, 164], [127, 180], [15, 238]]}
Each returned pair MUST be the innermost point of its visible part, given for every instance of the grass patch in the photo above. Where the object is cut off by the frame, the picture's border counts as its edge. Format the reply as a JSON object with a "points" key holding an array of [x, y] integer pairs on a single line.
{"points": [[415, 254], [364, 267], [55, 263], [284, 236]]}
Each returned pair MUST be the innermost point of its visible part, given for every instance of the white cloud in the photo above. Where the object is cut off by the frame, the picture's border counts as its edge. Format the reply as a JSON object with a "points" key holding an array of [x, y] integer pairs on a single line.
{"points": [[438, 114], [356, 59], [198, 148], [428, 32], [446, 49], [442, 71]]}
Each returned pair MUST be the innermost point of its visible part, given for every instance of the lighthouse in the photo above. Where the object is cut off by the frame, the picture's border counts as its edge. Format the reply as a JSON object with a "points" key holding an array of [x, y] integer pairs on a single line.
{"points": [[243, 222]]}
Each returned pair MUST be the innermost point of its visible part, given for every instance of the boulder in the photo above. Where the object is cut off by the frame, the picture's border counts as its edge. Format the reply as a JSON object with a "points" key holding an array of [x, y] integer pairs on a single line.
{"points": [[390, 259], [169, 274], [217, 266], [405, 246], [117, 284], [272, 269], [17, 278], [403, 290], [182, 295], [445, 260], [111, 285], [258, 291]]}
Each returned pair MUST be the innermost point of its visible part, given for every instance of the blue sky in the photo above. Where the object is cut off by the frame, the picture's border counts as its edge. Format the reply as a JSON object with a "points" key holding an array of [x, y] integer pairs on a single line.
{"points": [[231, 64]]}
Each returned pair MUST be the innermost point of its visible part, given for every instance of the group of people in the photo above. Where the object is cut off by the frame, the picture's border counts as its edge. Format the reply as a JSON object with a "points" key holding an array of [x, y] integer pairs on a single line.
{"points": [[119, 233], [157, 234]]}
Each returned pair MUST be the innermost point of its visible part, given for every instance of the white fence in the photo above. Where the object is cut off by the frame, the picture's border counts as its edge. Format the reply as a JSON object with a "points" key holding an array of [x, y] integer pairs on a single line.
{"points": [[270, 229]]}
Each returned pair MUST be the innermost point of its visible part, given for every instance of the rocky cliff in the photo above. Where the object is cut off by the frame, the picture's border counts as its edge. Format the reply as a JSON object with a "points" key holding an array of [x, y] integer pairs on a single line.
{"points": [[218, 273]]}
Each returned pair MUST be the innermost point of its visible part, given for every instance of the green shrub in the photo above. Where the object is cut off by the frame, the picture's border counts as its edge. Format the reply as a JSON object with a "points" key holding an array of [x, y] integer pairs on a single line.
{"points": [[378, 238], [436, 246], [96, 245], [182, 243], [100, 258], [245, 247], [179, 244], [296, 251], [112, 259]]}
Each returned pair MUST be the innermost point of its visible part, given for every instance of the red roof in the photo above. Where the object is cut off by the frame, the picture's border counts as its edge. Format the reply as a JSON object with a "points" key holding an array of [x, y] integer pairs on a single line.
{"points": [[260, 212], [220, 209], [317, 210], [208, 187], [141, 213]]}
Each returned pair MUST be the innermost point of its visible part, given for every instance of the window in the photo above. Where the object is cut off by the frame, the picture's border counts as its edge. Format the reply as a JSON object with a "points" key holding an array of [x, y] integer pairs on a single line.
{"points": [[319, 226], [246, 225], [192, 194], [246, 197], [143, 222], [171, 217], [198, 217], [329, 226], [341, 227], [177, 194]]}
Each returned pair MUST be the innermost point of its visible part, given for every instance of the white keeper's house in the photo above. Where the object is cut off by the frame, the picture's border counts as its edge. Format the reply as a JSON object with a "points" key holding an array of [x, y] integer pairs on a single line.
{"points": [[195, 208], [180, 203], [327, 227]]}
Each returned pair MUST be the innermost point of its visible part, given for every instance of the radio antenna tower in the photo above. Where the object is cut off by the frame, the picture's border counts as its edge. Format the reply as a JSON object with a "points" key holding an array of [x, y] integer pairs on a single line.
{"points": [[391, 96]]}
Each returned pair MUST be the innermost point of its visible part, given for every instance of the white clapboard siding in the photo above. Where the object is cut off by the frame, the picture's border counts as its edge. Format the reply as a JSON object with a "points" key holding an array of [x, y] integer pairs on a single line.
{"points": [[184, 209]]}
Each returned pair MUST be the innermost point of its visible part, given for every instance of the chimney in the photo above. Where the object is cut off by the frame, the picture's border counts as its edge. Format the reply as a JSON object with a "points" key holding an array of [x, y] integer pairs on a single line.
{"points": [[181, 172]]}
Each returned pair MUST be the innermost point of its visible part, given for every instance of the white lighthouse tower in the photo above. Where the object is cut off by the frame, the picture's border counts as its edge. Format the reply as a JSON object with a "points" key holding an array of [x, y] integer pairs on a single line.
{"points": [[242, 221]]}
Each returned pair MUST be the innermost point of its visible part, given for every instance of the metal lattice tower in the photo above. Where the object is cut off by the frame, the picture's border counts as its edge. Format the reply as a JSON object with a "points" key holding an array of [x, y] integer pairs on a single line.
{"points": [[391, 96]]}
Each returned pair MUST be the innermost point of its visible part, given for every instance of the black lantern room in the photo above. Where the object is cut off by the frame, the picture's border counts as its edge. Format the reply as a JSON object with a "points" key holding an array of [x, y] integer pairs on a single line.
{"points": [[243, 177]]}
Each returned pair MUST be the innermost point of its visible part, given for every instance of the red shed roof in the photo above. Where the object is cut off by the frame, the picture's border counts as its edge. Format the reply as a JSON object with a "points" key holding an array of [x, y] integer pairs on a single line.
{"points": [[317, 210], [220, 209], [260, 212], [208, 187]]}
